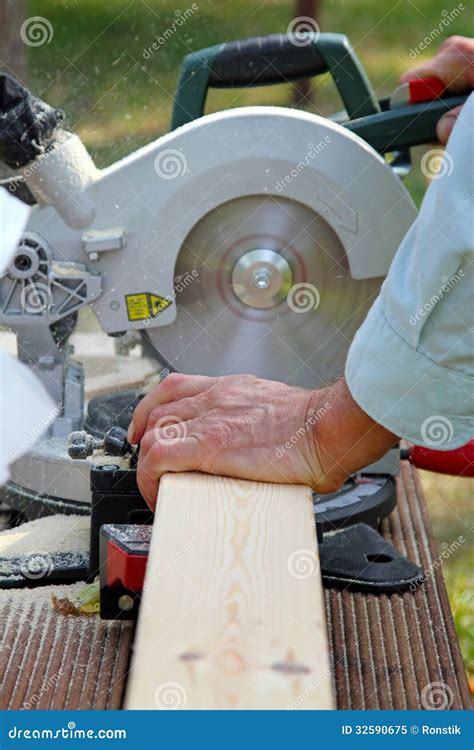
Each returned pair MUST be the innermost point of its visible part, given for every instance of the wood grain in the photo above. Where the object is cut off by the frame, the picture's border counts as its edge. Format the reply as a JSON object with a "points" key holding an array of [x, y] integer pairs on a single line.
{"points": [[232, 612]]}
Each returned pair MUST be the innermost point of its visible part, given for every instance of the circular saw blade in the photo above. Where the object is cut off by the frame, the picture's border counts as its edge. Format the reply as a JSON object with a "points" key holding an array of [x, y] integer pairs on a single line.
{"points": [[304, 336]]}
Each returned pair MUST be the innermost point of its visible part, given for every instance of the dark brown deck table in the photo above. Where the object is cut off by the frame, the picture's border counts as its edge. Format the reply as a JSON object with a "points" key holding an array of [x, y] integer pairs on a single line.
{"points": [[386, 649]]}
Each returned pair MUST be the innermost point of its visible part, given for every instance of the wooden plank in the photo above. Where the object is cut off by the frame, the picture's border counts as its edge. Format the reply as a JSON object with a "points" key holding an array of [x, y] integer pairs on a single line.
{"points": [[232, 613]]}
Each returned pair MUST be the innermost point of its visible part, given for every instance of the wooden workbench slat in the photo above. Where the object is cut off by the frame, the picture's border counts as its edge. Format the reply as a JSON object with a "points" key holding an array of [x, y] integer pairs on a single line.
{"points": [[232, 613]]}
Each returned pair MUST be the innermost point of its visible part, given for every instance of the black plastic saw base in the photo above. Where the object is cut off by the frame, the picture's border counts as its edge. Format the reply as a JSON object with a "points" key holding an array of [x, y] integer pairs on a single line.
{"points": [[358, 558], [42, 569]]}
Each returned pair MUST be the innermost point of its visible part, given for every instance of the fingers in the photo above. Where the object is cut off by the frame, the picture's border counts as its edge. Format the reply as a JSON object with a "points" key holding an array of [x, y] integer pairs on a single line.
{"points": [[160, 457], [173, 388], [446, 123], [174, 413], [453, 64], [429, 69]]}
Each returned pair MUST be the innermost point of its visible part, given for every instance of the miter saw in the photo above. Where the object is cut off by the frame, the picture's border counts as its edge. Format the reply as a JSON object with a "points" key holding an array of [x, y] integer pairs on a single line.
{"points": [[250, 240]]}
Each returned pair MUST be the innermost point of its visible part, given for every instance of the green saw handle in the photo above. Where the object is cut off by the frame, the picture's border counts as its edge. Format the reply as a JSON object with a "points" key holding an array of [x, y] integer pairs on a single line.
{"points": [[277, 58], [402, 127]]}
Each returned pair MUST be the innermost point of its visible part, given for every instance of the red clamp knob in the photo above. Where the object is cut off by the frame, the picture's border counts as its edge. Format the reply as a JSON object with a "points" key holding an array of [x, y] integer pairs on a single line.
{"points": [[458, 462], [425, 89]]}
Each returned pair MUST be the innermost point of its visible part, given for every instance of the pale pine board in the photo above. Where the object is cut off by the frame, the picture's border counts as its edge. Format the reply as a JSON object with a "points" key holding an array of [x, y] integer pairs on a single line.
{"points": [[223, 624]]}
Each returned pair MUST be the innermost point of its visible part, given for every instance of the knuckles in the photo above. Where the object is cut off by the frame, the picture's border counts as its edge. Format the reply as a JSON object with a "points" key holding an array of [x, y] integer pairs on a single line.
{"points": [[172, 382], [217, 434]]}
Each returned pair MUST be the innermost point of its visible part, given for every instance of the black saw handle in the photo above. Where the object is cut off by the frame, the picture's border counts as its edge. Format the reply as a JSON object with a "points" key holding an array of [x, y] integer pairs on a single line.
{"points": [[277, 58]]}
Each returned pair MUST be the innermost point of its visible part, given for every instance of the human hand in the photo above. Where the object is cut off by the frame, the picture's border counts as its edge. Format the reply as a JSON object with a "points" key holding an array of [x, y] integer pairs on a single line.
{"points": [[245, 427], [454, 65]]}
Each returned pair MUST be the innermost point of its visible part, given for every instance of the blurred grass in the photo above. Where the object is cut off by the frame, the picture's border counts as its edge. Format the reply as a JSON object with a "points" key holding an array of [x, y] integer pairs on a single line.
{"points": [[451, 510], [117, 100]]}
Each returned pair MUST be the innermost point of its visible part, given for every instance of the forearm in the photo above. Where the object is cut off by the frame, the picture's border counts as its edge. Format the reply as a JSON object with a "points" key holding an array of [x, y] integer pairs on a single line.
{"points": [[346, 438]]}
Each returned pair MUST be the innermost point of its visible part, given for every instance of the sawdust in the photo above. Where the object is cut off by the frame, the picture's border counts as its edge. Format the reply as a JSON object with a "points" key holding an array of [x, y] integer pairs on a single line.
{"points": [[68, 269], [38, 595], [105, 459], [51, 535]]}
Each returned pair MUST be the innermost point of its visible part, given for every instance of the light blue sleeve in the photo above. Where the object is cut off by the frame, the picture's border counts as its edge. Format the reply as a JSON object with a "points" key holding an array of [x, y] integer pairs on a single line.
{"points": [[411, 364]]}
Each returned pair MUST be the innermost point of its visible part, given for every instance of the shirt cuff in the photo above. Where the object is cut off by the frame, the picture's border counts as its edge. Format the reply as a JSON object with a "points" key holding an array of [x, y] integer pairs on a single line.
{"points": [[406, 392]]}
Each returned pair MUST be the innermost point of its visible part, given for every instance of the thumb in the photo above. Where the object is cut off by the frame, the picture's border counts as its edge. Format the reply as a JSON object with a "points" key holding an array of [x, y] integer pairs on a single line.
{"points": [[446, 124]]}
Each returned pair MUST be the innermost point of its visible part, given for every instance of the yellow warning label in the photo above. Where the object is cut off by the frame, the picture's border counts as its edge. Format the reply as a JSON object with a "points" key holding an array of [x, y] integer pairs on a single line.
{"points": [[145, 305]]}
